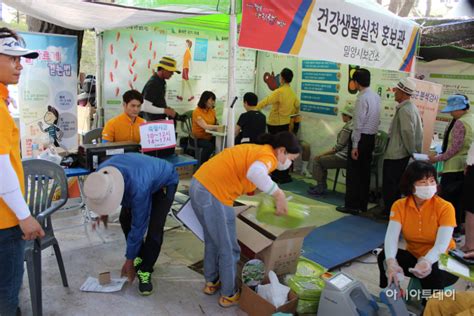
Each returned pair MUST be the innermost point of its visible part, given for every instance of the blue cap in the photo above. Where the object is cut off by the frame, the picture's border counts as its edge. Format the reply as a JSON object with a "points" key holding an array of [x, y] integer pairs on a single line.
{"points": [[456, 102]]}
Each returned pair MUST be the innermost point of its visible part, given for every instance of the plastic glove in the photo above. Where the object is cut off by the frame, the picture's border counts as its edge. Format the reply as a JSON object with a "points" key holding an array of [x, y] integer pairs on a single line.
{"points": [[422, 269], [394, 272], [281, 203]]}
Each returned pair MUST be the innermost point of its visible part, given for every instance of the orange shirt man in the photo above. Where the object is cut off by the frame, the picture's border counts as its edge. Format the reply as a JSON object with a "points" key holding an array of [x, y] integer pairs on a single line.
{"points": [[126, 126]]}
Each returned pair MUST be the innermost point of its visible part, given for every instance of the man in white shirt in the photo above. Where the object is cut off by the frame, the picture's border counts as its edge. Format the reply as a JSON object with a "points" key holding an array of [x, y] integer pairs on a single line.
{"points": [[366, 124]]}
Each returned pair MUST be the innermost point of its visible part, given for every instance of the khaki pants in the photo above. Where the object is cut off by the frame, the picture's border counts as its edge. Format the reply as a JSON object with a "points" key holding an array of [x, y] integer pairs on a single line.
{"points": [[461, 305], [321, 166]]}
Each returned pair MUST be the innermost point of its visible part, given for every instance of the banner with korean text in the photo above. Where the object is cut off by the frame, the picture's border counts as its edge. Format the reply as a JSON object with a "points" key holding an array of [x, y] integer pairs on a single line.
{"points": [[350, 32], [47, 94], [426, 98]]}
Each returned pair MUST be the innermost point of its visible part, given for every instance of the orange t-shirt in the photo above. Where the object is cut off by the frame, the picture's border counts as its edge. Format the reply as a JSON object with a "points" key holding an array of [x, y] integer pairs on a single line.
{"points": [[121, 129], [209, 116], [225, 175], [419, 227], [9, 145]]}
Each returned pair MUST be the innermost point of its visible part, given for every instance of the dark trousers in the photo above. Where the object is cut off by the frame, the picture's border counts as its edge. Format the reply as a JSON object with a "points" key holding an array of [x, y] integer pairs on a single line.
{"points": [[436, 280], [452, 191], [12, 254], [280, 176], [208, 148], [392, 173], [358, 174], [151, 247]]}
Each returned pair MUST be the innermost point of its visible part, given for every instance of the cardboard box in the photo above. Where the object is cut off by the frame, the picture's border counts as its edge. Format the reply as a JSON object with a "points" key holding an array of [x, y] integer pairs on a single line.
{"points": [[255, 305], [185, 172], [104, 278], [278, 248]]}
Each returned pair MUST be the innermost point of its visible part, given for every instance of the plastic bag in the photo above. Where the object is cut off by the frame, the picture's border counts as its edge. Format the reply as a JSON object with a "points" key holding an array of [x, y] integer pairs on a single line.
{"points": [[274, 292], [295, 217], [51, 154]]}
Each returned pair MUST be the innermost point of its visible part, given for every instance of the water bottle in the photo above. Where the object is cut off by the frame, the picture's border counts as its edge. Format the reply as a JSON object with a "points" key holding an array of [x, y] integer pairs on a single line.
{"points": [[95, 162], [35, 150]]}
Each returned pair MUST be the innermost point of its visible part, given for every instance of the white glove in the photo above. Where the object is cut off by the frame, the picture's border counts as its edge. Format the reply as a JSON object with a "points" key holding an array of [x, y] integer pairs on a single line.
{"points": [[422, 269], [394, 272]]}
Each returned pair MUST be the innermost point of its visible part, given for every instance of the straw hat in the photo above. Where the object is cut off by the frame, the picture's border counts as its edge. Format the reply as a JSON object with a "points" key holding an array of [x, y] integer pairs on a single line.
{"points": [[406, 85], [103, 190], [168, 63]]}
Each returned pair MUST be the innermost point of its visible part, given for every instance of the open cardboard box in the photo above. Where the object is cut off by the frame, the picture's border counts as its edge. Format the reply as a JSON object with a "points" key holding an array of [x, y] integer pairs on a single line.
{"points": [[278, 248], [255, 305]]}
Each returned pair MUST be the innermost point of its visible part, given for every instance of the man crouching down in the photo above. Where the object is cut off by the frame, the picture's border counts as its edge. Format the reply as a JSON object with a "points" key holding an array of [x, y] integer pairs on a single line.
{"points": [[145, 187]]}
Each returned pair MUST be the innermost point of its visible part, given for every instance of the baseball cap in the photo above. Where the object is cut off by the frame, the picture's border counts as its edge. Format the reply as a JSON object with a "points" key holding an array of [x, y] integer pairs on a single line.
{"points": [[12, 47]]}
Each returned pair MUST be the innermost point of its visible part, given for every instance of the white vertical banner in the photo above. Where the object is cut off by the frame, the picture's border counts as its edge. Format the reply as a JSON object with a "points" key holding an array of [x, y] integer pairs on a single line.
{"points": [[426, 99], [47, 93]]}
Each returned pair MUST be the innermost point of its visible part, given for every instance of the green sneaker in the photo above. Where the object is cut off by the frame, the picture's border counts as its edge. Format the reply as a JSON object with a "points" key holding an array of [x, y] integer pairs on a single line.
{"points": [[137, 262], [144, 282]]}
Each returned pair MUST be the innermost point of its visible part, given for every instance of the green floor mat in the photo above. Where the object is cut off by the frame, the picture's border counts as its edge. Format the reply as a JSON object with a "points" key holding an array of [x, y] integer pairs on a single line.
{"points": [[300, 186]]}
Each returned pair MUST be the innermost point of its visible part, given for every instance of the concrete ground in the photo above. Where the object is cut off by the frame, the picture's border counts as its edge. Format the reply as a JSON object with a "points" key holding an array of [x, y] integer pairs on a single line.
{"points": [[177, 288]]}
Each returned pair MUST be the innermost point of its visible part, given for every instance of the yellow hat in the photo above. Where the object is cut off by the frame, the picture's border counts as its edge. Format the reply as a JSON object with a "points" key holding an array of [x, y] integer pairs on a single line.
{"points": [[168, 63]]}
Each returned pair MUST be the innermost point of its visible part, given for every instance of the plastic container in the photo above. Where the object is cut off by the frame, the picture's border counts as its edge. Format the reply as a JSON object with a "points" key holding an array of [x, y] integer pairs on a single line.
{"points": [[308, 268], [307, 307], [307, 288]]}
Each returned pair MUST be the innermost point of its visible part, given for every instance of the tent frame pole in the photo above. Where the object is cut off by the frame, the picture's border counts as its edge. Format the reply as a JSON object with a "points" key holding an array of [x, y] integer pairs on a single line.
{"points": [[231, 89], [100, 121]]}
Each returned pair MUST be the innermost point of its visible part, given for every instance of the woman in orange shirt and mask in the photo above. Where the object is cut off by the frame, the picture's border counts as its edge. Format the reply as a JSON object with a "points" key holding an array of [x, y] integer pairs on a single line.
{"points": [[215, 186], [427, 223]]}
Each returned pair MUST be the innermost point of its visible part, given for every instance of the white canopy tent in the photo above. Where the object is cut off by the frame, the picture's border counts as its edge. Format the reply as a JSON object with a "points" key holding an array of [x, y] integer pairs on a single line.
{"points": [[99, 16]]}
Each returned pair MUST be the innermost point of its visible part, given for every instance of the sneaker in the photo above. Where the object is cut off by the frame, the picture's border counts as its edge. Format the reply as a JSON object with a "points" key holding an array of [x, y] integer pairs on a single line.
{"points": [[211, 287], [317, 190], [228, 301], [137, 263], [144, 282]]}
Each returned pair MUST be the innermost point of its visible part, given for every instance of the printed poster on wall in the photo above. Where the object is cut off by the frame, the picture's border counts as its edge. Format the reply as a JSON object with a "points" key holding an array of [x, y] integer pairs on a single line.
{"points": [[334, 30], [326, 87], [47, 94], [455, 76], [131, 56]]}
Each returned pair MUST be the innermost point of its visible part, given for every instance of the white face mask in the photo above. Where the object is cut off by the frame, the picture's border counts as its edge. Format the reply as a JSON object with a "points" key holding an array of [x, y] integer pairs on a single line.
{"points": [[285, 165], [425, 192]]}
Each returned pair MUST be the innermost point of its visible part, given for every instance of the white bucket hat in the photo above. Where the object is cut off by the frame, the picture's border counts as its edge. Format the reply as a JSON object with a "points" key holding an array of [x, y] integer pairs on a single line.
{"points": [[406, 85], [103, 190], [11, 47]]}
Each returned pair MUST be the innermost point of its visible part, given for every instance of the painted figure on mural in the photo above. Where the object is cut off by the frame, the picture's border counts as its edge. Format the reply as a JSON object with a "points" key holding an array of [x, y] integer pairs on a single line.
{"points": [[51, 118]]}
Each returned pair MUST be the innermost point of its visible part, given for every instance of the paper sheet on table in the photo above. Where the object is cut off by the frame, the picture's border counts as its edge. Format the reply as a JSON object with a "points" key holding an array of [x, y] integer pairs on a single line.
{"points": [[187, 216], [458, 267], [92, 285], [422, 157]]}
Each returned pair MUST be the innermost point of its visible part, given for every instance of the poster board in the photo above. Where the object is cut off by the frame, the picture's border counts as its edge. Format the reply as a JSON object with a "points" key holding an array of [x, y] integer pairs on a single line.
{"points": [[47, 93]]}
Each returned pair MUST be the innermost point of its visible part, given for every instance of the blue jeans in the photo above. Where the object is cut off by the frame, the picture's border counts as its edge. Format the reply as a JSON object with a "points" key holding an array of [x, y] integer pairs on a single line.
{"points": [[12, 253], [221, 250]]}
